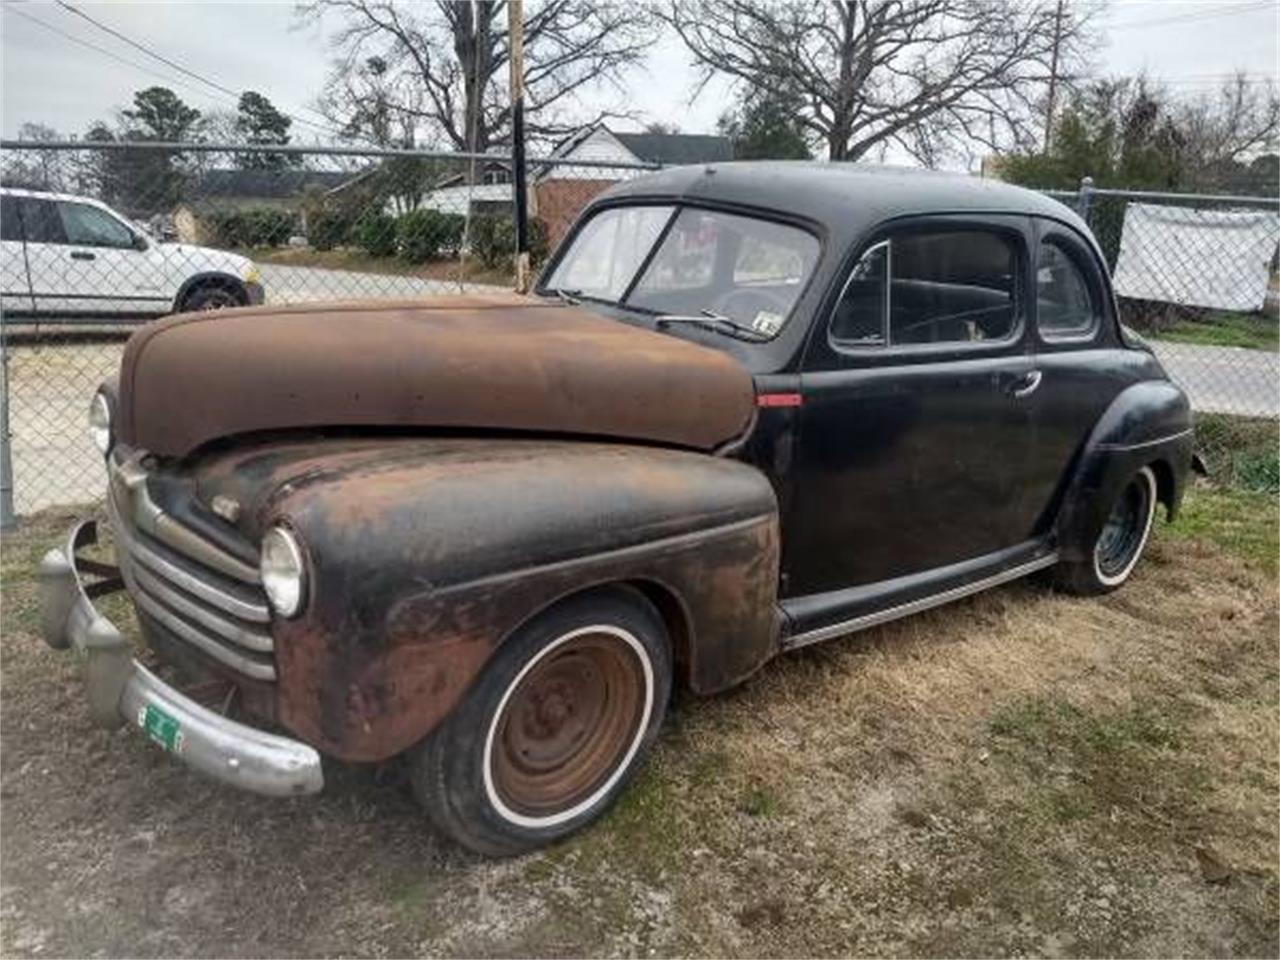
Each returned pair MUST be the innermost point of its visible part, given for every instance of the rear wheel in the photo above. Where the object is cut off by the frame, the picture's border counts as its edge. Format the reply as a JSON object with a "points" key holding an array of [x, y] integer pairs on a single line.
{"points": [[554, 728], [1119, 543]]}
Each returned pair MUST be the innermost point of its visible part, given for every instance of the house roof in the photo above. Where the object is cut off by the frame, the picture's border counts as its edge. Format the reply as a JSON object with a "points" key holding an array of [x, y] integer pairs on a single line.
{"points": [[677, 148], [264, 184]]}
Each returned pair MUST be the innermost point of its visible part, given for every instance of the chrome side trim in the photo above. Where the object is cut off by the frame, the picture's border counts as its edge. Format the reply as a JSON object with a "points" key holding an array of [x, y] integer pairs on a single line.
{"points": [[1147, 443], [130, 479], [237, 634], [158, 565], [916, 606]]}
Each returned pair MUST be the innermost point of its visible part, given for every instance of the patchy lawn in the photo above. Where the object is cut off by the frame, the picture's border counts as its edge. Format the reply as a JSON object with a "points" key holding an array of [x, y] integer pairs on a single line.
{"points": [[1019, 773], [1219, 328]]}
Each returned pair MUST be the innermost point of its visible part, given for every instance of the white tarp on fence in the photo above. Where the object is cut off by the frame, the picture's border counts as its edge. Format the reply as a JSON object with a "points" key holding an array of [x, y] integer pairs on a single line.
{"points": [[1196, 257]]}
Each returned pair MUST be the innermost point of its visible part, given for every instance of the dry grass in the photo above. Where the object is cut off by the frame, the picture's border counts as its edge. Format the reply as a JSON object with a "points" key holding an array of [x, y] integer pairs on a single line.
{"points": [[1018, 773]]}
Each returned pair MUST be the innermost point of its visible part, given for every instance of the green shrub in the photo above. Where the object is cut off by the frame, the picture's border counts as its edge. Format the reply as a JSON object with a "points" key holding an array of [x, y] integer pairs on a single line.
{"points": [[268, 227], [327, 229], [422, 235], [224, 228], [375, 233], [493, 240], [257, 227], [1241, 452], [1259, 472]]}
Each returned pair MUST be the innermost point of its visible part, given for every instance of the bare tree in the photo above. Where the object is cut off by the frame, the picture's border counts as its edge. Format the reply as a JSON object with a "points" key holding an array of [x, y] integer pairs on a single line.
{"points": [[1240, 120], [928, 76], [442, 66], [37, 169]]}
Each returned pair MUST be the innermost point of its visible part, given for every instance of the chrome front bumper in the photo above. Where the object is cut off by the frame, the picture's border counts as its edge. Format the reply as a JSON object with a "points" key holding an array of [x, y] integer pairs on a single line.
{"points": [[121, 689]]}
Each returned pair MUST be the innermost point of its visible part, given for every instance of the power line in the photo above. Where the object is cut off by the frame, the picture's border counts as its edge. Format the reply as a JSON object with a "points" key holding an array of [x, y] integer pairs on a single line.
{"points": [[72, 8], [102, 50], [151, 53], [1223, 10]]}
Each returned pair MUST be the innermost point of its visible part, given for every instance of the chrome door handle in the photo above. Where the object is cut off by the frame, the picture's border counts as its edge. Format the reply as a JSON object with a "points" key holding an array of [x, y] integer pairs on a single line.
{"points": [[1027, 385]]}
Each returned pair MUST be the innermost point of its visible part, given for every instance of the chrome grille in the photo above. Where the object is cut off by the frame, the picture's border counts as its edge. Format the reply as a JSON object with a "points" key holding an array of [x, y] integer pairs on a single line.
{"points": [[198, 592]]}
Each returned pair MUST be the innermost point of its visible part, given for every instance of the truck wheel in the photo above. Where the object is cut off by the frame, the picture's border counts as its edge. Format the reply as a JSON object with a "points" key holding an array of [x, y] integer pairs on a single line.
{"points": [[1119, 544], [212, 296], [553, 729]]}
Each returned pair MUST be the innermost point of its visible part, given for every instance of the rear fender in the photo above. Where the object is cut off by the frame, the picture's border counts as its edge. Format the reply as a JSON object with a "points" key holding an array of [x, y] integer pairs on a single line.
{"points": [[425, 555], [1149, 423]]}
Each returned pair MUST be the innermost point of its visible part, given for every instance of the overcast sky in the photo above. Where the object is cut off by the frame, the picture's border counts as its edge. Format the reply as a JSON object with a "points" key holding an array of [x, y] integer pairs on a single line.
{"points": [[52, 79]]}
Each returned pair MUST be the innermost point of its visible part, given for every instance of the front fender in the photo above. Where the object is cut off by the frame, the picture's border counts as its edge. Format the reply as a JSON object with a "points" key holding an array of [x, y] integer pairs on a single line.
{"points": [[1149, 423], [425, 555]]}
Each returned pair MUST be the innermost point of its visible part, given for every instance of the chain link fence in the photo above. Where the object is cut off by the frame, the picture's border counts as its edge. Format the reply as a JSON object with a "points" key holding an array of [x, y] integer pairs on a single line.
{"points": [[100, 237]]}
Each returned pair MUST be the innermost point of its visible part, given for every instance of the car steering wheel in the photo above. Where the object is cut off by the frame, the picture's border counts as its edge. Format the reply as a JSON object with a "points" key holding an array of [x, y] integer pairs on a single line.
{"points": [[723, 304]]}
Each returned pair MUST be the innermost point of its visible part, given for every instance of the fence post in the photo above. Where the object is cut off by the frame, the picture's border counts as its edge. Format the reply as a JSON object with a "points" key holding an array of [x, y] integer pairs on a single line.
{"points": [[7, 519], [515, 33], [1084, 202]]}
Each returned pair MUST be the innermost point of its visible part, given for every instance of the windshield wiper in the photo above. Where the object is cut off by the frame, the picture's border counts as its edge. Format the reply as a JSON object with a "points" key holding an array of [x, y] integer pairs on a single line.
{"points": [[569, 297], [710, 320]]}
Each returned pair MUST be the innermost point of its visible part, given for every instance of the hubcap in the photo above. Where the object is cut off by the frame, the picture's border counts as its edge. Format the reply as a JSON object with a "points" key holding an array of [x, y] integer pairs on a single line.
{"points": [[1123, 534], [567, 724]]}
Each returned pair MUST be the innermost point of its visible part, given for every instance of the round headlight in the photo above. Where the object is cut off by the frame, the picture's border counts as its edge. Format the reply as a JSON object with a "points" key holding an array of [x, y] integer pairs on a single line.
{"points": [[283, 571], [100, 422]]}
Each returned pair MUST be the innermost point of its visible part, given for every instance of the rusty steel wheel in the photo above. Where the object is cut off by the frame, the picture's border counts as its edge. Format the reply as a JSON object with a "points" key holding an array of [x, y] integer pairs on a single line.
{"points": [[571, 720], [552, 729]]}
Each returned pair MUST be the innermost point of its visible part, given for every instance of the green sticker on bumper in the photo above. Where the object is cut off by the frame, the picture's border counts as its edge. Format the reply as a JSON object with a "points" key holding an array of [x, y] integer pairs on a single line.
{"points": [[161, 728]]}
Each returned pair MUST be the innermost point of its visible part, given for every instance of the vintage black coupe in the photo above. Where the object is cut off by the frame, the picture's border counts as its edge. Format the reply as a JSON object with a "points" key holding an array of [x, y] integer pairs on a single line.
{"points": [[749, 407]]}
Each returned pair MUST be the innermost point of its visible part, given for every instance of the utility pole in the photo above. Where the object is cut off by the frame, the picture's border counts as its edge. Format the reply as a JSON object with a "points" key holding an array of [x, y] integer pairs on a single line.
{"points": [[1053, 76], [515, 33]]}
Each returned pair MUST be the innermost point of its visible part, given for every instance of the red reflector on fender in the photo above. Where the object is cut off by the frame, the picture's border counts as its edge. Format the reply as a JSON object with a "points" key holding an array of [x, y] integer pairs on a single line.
{"points": [[778, 400]]}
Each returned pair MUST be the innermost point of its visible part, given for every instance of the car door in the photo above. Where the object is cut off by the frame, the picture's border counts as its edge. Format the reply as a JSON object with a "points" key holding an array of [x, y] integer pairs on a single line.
{"points": [[1081, 362], [104, 270], [914, 424]]}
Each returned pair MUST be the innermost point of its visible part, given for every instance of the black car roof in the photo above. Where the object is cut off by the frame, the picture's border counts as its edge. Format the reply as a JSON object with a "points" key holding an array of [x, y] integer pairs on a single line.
{"points": [[847, 198]]}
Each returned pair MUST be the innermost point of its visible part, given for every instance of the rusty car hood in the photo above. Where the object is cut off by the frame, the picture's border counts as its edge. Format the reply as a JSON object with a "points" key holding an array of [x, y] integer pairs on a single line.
{"points": [[502, 363]]}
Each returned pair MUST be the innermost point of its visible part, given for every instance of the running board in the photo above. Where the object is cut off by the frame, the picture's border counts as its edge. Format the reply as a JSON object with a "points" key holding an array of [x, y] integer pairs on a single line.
{"points": [[916, 606]]}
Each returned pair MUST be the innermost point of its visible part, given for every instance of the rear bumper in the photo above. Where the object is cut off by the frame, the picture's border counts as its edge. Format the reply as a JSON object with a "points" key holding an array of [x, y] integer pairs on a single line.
{"points": [[121, 689]]}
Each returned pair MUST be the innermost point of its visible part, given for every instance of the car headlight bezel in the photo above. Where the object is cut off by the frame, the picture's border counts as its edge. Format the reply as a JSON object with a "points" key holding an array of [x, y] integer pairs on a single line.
{"points": [[282, 565], [100, 417]]}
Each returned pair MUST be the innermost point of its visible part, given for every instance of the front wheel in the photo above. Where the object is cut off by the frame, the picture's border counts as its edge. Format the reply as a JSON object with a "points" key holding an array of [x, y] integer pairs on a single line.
{"points": [[553, 729], [1120, 542], [212, 296]]}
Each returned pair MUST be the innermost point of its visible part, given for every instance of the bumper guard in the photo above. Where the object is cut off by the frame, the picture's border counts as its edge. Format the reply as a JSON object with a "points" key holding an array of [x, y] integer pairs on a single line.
{"points": [[121, 689]]}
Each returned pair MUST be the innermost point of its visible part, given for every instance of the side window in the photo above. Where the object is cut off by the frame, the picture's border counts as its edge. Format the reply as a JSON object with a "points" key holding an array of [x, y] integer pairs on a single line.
{"points": [[861, 317], [1065, 307], [954, 287], [40, 221], [10, 228], [90, 227], [929, 287]]}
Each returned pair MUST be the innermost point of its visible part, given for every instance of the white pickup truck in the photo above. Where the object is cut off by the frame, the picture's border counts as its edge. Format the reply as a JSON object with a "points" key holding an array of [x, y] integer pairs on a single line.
{"points": [[69, 256]]}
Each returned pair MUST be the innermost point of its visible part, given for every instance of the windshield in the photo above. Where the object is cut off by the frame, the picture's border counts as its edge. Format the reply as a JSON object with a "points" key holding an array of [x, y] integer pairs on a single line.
{"points": [[708, 263]]}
